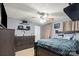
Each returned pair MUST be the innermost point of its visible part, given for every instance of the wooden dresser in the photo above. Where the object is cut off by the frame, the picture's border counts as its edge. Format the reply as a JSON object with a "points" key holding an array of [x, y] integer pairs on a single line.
{"points": [[7, 42], [24, 42]]}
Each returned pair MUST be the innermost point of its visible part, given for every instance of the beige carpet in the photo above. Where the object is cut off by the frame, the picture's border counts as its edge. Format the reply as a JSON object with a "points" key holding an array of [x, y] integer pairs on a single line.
{"points": [[26, 52]]}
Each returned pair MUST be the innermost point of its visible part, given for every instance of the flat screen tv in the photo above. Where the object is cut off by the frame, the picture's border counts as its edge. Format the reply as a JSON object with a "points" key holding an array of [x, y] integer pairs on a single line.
{"points": [[72, 11]]}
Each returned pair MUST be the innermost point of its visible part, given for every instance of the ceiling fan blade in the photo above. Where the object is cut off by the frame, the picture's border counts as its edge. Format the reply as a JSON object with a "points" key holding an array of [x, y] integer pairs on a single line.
{"points": [[50, 17], [34, 17], [40, 13]]}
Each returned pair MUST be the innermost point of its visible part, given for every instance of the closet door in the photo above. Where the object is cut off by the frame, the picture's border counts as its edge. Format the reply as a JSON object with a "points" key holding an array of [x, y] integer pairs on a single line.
{"points": [[73, 26], [7, 42], [67, 26], [78, 25]]}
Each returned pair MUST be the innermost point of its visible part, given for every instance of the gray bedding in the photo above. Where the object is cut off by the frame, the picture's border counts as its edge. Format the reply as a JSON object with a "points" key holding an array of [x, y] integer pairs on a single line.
{"points": [[61, 46]]}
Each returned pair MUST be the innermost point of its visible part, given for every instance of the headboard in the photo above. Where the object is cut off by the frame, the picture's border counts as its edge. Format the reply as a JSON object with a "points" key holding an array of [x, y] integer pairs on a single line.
{"points": [[68, 32], [72, 34]]}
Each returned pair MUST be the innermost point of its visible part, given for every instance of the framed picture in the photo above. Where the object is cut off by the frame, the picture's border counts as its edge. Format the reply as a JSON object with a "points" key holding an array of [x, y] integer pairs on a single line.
{"points": [[20, 27], [57, 26], [27, 27]]}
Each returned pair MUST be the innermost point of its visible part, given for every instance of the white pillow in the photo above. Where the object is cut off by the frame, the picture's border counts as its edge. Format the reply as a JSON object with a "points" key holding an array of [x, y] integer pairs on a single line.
{"points": [[67, 37], [58, 37]]}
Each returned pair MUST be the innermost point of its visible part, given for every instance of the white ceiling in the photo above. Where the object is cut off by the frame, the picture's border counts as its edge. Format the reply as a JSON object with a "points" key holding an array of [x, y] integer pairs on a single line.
{"points": [[25, 11]]}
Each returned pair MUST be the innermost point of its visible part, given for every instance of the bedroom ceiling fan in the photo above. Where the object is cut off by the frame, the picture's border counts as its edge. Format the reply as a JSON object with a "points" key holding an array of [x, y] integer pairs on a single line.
{"points": [[44, 16]]}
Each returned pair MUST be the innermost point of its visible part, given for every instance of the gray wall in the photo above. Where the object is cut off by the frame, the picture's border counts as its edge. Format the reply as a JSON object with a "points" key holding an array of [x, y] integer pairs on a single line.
{"points": [[13, 23]]}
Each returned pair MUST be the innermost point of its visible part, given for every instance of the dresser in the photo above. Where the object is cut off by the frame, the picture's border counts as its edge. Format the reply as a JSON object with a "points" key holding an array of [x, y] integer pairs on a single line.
{"points": [[24, 42], [7, 42]]}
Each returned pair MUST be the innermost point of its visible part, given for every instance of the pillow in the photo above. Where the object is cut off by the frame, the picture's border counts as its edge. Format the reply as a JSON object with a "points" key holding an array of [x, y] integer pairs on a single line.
{"points": [[56, 37], [67, 37]]}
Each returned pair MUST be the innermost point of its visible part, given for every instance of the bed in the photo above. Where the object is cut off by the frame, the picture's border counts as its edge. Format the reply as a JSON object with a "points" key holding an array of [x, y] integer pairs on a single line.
{"points": [[55, 47]]}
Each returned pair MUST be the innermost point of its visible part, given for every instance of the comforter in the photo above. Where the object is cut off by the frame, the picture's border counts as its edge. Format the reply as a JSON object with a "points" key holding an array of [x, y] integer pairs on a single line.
{"points": [[60, 46]]}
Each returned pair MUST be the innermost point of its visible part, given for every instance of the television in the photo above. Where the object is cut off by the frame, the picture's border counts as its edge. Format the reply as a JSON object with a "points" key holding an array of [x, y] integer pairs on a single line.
{"points": [[72, 11]]}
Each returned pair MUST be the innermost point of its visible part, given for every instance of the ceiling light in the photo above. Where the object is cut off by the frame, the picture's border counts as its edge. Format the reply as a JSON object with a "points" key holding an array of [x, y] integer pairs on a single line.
{"points": [[42, 20], [44, 16]]}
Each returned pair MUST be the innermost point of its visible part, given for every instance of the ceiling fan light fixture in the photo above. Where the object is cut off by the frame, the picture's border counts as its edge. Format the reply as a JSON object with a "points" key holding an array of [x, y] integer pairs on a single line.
{"points": [[45, 16], [42, 20]]}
